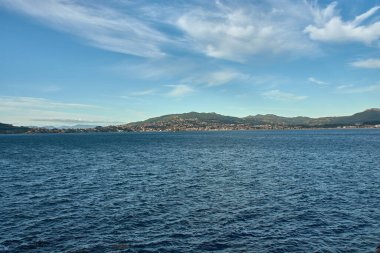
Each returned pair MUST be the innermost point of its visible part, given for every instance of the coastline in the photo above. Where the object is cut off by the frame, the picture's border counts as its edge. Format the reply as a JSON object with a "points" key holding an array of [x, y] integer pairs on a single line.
{"points": [[92, 131]]}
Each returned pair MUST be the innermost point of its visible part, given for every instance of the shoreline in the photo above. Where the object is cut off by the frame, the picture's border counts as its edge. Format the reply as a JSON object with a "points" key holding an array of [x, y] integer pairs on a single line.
{"points": [[88, 131]]}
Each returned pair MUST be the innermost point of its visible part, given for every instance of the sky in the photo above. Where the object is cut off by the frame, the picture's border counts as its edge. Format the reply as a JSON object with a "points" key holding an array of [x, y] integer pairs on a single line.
{"points": [[67, 62]]}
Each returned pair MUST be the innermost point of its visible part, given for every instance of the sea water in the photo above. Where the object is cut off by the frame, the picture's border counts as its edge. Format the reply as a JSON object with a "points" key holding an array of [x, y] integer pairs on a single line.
{"points": [[238, 191]]}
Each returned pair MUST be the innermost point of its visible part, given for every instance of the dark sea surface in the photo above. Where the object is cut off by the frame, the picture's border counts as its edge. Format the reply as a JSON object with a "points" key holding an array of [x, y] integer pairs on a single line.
{"points": [[243, 191]]}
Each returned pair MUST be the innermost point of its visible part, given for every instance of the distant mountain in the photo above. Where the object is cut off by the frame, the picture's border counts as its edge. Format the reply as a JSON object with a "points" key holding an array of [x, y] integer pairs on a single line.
{"points": [[270, 119], [10, 129], [194, 116], [81, 126], [78, 126], [369, 117], [194, 121]]}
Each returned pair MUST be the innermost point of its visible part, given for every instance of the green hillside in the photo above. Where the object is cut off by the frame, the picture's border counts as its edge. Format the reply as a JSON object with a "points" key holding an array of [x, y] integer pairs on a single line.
{"points": [[10, 129], [370, 116], [195, 116]]}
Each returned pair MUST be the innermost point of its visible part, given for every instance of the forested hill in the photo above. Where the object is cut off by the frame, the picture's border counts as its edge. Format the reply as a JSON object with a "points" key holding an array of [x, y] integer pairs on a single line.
{"points": [[370, 117], [194, 121], [10, 129]]}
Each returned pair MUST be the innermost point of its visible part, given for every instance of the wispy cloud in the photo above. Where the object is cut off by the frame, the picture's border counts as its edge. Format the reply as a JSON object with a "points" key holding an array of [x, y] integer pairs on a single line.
{"points": [[352, 89], [330, 27], [32, 102], [51, 89], [156, 69], [369, 64], [179, 90], [100, 26], [144, 92], [72, 121], [212, 78], [221, 77], [34, 111], [230, 30], [237, 32], [138, 97], [317, 82], [282, 96]]}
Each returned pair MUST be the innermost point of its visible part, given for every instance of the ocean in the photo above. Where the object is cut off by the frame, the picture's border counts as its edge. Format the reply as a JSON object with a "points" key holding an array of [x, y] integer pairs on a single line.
{"points": [[233, 191]]}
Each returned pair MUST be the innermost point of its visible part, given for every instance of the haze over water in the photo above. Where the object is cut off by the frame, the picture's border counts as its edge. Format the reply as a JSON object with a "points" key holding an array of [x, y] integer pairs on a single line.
{"points": [[263, 191]]}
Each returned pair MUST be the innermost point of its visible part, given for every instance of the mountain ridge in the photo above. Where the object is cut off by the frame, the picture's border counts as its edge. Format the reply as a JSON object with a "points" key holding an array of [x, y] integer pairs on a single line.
{"points": [[369, 116], [201, 121], [10, 129]]}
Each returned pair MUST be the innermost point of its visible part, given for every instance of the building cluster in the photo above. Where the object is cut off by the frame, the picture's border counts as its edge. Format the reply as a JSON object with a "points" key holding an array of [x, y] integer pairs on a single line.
{"points": [[196, 125], [184, 125]]}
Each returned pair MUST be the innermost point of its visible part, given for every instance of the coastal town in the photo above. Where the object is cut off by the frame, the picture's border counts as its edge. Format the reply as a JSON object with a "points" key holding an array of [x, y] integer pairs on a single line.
{"points": [[188, 126], [194, 121]]}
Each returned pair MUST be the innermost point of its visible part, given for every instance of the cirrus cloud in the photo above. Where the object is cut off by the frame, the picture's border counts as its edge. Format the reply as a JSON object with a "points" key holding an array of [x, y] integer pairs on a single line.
{"points": [[282, 96], [40, 103], [317, 82], [353, 89], [237, 33], [33, 110], [179, 90], [329, 27], [369, 64], [100, 26]]}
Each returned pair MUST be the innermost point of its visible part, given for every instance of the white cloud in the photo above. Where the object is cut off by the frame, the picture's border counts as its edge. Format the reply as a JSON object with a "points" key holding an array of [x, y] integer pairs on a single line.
{"points": [[330, 27], [232, 30], [352, 89], [316, 81], [72, 121], [34, 111], [236, 33], [179, 90], [144, 92], [369, 63], [282, 96], [221, 77], [100, 26], [38, 103], [214, 78], [157, 69]]}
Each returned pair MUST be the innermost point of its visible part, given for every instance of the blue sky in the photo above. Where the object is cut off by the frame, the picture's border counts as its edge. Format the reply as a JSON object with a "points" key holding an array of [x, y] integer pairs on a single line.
{"points": [[66, 62]]}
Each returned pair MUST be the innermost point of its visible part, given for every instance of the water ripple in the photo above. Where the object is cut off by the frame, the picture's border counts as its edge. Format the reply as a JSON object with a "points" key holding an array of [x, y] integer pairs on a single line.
{"points": [[285, 191]]}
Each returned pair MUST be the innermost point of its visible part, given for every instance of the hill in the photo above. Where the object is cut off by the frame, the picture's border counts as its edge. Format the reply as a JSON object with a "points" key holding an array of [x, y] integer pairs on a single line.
{"points": [[370, 116], [206, 121], [194, 121], [194, 116], [10, 129]]}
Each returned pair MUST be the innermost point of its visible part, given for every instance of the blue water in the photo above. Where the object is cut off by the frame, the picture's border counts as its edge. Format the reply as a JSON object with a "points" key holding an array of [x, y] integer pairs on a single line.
{"points": [[262, 191]]}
